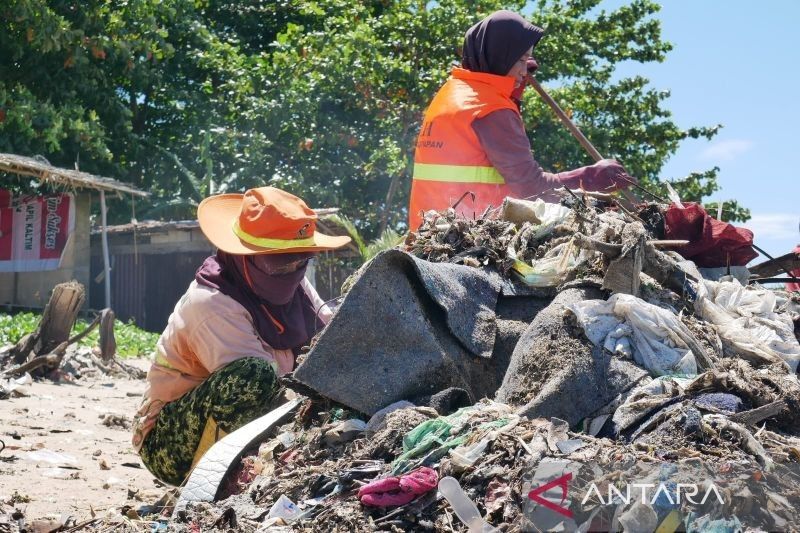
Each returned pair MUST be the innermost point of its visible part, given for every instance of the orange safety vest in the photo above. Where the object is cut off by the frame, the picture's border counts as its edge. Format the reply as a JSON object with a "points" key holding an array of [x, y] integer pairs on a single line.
{"points": [[449, 159]]}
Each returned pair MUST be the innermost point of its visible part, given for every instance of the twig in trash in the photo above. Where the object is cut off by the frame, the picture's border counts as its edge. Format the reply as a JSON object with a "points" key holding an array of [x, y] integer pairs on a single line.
{"points": [[389, 516], [468, 193], [415, 506], [577, 198], [761, 251], [78, 527], [606, 248], [668, 243], [763, 281], [525, 446], [748, 442], [53, 359]]}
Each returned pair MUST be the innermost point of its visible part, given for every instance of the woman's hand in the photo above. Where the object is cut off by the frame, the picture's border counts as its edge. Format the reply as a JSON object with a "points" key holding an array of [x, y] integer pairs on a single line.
{"points": [[607, 175]]}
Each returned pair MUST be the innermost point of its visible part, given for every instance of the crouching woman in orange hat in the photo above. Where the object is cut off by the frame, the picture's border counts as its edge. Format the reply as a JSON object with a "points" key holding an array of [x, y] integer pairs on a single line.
{"points": [[240, 325]]}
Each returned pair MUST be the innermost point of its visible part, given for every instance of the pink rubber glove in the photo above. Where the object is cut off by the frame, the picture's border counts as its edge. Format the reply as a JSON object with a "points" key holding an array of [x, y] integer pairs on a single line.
{"points": [[606, 175], [396, 491]]}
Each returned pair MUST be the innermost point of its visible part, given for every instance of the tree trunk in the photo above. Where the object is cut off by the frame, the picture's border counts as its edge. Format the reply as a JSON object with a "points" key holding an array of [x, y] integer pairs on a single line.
{"points": [[57, 320]]}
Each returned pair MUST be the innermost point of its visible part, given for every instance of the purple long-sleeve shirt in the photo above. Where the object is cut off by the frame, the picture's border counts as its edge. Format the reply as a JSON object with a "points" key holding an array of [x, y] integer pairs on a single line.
{"points": [[503, 137]]}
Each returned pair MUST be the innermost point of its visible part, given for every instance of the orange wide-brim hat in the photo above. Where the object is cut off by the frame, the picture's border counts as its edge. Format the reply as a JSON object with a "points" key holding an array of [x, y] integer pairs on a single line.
{"points": [[265, 220]]}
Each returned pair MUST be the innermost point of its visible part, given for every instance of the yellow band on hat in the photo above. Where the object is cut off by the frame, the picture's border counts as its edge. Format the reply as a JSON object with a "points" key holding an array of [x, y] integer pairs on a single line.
{"points": [[271, 243]]}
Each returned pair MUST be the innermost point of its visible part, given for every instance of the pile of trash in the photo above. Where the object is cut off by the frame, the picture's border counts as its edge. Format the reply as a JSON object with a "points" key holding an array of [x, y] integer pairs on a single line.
{"points": [[348, 475], [547, 366]]}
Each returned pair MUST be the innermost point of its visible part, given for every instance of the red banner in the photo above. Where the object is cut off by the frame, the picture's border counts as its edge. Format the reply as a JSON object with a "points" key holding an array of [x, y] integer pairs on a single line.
{"points": [[34, 231]]}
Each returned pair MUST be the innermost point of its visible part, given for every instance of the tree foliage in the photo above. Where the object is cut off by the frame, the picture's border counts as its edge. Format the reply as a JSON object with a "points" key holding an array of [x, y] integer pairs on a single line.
{"points": [[191, 97]]}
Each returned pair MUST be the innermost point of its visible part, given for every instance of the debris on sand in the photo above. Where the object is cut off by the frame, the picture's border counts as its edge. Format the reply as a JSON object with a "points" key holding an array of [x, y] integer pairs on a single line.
{"points": [[593, 360]]}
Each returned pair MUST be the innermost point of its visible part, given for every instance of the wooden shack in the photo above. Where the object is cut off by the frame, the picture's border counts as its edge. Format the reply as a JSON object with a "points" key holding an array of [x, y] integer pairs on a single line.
{"points": [[27, 285]]}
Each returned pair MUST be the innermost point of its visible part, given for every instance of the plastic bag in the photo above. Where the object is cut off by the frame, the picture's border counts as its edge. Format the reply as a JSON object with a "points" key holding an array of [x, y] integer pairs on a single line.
{"points": [[551, 269], [539, 212], [629, 326], [746, 320]]}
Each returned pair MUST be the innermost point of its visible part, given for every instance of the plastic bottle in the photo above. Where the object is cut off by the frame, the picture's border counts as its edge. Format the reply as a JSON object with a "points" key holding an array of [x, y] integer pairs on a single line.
{"points": [[465, 509]]}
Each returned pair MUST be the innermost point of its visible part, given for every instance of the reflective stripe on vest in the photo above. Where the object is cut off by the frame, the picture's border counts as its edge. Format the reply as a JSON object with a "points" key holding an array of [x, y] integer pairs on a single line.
{"points": [[457, 173]]}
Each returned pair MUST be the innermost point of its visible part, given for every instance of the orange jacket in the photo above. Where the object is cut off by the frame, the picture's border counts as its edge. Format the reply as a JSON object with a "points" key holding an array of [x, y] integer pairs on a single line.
{"points": [[449, 160]]}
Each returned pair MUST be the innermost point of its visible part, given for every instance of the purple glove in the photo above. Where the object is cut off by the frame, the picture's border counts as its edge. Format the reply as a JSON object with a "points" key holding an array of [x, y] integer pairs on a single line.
{"points": [[516, 94], [606, 175]]}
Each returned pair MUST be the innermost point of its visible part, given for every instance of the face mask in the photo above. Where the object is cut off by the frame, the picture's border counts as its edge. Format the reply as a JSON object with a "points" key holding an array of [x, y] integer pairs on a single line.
{"points": [[276, 288]]}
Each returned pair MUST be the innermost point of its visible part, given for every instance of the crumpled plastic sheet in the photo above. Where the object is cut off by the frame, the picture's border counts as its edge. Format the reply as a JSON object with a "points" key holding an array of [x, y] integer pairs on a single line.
{"points": [[549, 214], [550, 270], [654, 337], [645, 398], [437, 436], [13, 386], [746, 319]]}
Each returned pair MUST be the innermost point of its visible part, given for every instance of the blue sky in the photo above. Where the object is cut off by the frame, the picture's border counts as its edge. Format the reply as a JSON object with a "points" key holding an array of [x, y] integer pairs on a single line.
{"points": [[735, 63]]}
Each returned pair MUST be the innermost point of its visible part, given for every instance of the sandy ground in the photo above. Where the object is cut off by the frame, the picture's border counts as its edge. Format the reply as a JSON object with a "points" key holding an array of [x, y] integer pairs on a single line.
{"points": [[67, 419]]}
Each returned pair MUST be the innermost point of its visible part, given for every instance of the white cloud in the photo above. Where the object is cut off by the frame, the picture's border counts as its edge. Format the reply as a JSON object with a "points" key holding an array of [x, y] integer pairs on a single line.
{"points": [[774, 226], [727, 150]]}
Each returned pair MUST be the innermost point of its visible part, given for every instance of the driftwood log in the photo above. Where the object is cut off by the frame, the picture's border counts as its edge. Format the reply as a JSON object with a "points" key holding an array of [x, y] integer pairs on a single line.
{"points": [[56, 324], [47, 345]]}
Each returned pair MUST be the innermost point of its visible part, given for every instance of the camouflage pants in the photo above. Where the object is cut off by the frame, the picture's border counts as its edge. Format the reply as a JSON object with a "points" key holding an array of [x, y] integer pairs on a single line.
{"points": [[233, 395]]}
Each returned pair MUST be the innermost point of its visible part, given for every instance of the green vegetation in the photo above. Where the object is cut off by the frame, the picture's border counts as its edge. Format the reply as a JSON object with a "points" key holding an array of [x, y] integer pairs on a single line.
{"points": [[131, 341], [388, 239], [14, 327], [185, 98]]}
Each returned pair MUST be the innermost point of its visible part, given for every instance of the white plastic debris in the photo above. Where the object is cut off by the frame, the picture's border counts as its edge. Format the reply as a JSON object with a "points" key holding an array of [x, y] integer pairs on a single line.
{"points": [[376, 422], [287, 438], [673, 195], [550, 270], [344, 431], [112, 481], [465, 509], [13, 387], [285, 509], [746, 319], [629, 326], [59, 473], [544, 214], [49, 456]]}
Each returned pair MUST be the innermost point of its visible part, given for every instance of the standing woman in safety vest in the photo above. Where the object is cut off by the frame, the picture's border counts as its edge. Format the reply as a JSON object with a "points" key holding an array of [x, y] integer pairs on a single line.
{"points": [[472, 138]]}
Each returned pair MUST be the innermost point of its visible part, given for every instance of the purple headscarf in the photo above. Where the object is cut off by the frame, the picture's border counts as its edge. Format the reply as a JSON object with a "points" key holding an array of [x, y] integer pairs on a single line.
{"points": [[494, 44], [283, 313]]}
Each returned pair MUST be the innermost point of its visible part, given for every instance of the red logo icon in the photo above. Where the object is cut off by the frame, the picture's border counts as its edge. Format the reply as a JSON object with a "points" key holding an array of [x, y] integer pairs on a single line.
{"points": [[535, 495]]}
